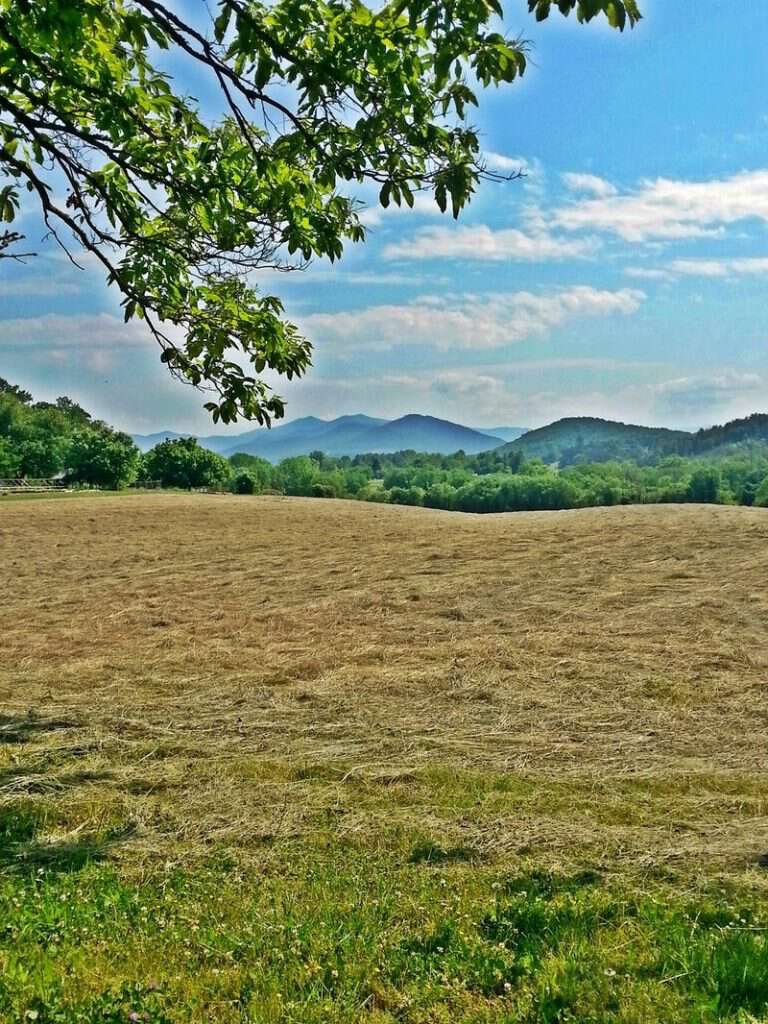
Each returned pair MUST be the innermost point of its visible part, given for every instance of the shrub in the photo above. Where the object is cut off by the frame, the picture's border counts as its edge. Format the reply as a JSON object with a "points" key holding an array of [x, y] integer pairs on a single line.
{"points": [[245, 483], [323, 490]]}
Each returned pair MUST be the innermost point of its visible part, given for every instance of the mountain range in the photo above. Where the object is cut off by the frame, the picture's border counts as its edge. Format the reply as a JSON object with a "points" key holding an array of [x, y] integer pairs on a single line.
{"points": [[349, 435], [575, 439]]}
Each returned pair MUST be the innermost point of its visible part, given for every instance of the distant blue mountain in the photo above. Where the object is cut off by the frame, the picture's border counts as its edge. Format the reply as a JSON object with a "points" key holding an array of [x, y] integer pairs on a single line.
{"points": [[334, 437], [424, 434], [507, 433], [346, 435], [146, 441]]}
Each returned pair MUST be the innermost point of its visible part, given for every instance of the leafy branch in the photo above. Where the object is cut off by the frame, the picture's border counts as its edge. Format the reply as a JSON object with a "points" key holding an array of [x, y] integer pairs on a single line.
{"points": [[317, 97]]}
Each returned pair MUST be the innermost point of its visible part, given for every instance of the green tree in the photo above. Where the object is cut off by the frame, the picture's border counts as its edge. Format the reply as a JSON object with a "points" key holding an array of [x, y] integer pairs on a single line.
{"points": [[761, 494], [9, 459], [103, 458], [244, 482], [74, 413], [14, 391], [262, 471], [42, 454], [14, 417], [704, 485], [297, 475], [182, 462], [324, 489], [318, 96], [440, 495]]}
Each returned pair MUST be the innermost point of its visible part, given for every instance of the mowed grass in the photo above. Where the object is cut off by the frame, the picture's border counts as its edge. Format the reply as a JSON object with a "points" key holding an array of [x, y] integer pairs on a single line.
{"points": [[284, 760]]}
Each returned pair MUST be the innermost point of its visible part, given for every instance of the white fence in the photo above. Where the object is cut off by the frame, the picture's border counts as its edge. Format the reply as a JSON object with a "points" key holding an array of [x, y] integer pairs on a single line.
{"points": [[26, 485]]}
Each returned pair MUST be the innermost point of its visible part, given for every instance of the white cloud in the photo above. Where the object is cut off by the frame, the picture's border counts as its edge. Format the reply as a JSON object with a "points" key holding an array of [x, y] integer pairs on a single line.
{"points": [[55, 332], [728, 381], [469, 321], [669, 209], [649, 273], [755, 266], [481, 243], [318, 273], [728, 389], [588, 183], [507, 164], [750, 265], [423, 204], [699, 267], [44, 287]]}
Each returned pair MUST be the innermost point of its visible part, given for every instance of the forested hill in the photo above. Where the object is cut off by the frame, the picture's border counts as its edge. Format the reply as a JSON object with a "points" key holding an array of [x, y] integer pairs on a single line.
{"points": [[579, 439], [752, 429], [586, 439]]}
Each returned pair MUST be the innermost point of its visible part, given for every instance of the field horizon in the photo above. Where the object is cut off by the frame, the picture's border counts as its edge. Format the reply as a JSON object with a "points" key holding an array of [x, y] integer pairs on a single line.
{"points": [[367, 729]]}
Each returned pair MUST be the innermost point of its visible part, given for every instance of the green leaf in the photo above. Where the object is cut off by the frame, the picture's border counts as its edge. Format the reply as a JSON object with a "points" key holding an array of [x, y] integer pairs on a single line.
{"points": [[221, 23], [616, 14]]}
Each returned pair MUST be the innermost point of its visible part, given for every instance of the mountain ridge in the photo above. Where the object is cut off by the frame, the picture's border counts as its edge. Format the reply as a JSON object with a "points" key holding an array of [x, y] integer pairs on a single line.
{"points": [[567, 441], [584, 439], [346, 435]]}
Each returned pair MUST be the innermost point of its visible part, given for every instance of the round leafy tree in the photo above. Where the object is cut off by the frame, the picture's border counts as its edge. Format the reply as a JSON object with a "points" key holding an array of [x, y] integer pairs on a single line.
{"points": [[183, 463]]}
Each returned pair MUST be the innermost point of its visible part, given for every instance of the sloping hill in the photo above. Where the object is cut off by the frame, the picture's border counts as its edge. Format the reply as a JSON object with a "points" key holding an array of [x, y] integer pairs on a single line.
{"points": [[748, 431], [583, 439], [589, 439]]}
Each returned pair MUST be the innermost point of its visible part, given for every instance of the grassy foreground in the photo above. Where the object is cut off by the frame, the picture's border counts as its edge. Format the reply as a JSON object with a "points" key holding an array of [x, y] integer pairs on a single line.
{"points": [[354, 933], [275, 760]]}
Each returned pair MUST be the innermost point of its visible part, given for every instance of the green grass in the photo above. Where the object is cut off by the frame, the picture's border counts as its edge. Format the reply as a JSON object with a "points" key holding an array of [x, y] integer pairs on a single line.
{"points": [[369, 932], [402, 925]]}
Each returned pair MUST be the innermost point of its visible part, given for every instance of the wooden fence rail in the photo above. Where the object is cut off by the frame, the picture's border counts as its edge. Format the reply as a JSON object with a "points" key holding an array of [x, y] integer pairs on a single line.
{"points": [[26, 485]]}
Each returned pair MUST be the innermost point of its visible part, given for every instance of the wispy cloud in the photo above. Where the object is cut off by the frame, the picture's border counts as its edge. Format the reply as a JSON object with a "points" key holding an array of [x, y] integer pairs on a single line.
{"points": [[508, 164], [749, 266], [588, 183], [55, 331], [470, 321], [481, 243], [43, 287], [709, 395], [649, 273], [671, 209], [338, 275]]}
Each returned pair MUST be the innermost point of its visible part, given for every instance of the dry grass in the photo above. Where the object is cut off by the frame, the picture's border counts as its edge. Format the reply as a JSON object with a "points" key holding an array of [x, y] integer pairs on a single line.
{"points": [[203, 671]]}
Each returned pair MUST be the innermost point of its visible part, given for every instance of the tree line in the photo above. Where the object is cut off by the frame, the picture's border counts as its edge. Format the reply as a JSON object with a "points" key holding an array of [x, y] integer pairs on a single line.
{"points": [[61, 439], [504, 481]]}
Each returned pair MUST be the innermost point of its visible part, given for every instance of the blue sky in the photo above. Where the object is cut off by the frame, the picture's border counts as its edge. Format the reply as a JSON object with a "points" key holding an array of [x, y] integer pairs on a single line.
{"points": [[625, 276]]}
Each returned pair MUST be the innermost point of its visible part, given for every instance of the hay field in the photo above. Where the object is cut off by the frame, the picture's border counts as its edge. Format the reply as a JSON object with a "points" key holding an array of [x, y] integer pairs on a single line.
{"points": [[268, 686]]}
